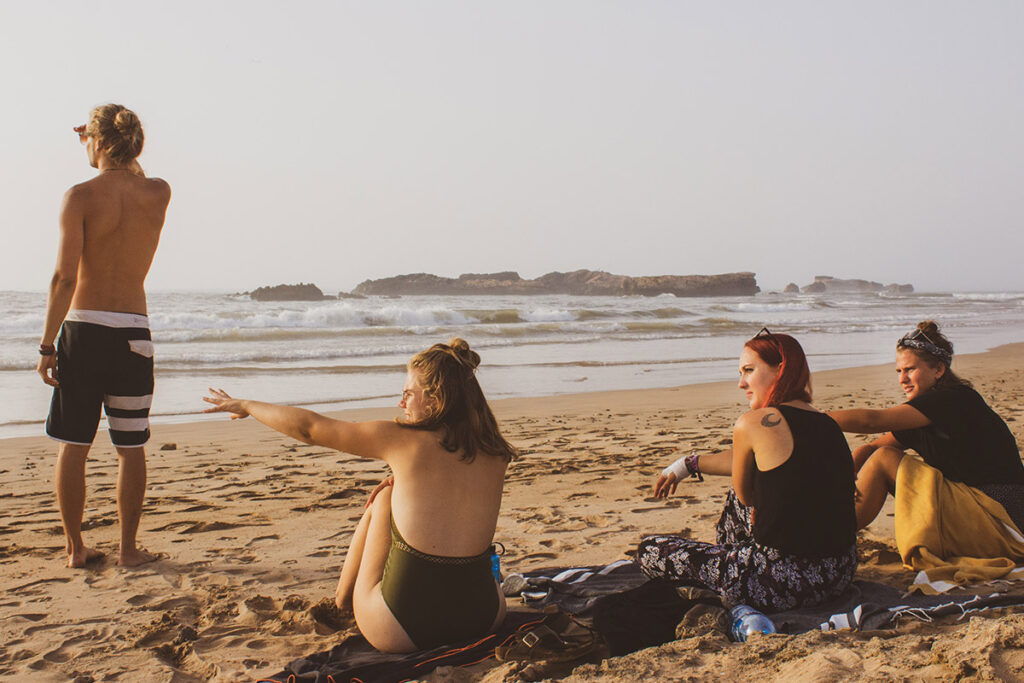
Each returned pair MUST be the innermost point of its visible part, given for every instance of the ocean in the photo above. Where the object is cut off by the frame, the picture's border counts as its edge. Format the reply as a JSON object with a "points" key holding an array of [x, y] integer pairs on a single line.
{"points": [[351, 353]]}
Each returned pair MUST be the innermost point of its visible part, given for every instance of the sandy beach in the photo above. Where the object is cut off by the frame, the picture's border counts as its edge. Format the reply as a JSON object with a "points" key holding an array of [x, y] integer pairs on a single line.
{"points": [[253, 527]]}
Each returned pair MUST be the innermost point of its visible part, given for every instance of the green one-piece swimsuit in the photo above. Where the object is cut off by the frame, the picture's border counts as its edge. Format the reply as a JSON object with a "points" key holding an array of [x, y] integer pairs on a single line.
{"points": [[439, 600]]}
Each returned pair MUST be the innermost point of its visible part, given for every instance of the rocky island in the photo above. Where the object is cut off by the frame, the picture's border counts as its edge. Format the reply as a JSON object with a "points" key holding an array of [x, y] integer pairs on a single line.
{"points": [[578, 282], [826, 284], [300, 292]]}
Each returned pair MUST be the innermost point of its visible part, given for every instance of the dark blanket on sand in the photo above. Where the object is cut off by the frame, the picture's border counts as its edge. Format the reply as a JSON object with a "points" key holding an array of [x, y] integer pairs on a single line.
{"points": [[631, 613], [355, 660]]}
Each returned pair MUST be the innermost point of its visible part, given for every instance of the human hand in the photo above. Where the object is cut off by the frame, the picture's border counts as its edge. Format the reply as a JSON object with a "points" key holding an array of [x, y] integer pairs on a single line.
{"points": [[388, 481], [47, 369], [223, 403], [665, 485]]}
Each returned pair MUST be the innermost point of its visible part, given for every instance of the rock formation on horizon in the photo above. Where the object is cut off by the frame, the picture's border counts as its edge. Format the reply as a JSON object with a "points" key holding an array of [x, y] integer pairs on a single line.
{"points": [[826, 284], [579, 282], [300, 292]]}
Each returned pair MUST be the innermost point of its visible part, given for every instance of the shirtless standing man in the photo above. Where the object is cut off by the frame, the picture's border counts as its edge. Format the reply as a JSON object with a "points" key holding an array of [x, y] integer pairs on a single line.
{"points": [[109, 230]]}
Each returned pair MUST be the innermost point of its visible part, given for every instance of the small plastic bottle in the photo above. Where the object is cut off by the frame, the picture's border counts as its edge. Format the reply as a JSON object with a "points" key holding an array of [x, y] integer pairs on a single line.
{"points": [[496, 561], [747, 620]]}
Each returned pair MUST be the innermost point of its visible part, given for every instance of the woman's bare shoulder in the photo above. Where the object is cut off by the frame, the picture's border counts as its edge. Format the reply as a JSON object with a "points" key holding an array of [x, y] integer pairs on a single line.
{"points": [[760, 418]]}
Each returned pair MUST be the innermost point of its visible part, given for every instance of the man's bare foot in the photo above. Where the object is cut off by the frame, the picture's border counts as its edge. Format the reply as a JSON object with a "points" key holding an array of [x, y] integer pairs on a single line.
{"points": [[133, 558], [82, 557]]}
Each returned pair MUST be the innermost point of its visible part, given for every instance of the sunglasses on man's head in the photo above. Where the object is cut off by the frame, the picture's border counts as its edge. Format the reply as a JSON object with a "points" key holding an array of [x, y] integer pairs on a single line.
{"points": [[765, 333]]}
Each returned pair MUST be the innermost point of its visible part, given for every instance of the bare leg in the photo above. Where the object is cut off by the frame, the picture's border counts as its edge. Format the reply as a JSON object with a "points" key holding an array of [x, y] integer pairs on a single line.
{"points": [[131, 490], [876, 480], [350, 568], [70, 478], [861, 455], [373, 616]]}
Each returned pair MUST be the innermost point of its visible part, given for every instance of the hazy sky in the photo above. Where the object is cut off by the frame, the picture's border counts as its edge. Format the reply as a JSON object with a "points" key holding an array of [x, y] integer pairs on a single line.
{"points": [[337, 141]]}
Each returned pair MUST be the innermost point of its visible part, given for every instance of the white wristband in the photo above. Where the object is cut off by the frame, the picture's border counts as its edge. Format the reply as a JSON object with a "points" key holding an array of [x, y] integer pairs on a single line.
{"points": [[677, 468]]}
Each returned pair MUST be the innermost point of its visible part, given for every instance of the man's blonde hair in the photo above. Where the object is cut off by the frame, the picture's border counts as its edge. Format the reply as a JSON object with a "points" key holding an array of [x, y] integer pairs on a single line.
{"points": [[118, 132]]}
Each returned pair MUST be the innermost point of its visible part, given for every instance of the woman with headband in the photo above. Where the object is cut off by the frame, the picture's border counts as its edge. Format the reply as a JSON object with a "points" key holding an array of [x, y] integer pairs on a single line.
{"points": [[946, 421], [787, 536]]}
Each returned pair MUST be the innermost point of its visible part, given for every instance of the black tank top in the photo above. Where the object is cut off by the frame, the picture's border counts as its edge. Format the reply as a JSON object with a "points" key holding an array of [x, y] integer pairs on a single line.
{"points": [[805, 505]]}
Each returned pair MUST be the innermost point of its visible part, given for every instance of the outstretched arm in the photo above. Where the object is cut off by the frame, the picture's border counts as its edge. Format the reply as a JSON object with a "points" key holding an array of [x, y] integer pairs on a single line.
{"points": [[865, 421], [365, 439]]}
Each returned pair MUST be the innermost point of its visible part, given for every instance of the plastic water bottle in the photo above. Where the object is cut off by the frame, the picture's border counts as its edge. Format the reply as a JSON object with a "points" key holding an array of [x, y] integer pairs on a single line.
{"points": [[496, 561], [747, 620]]}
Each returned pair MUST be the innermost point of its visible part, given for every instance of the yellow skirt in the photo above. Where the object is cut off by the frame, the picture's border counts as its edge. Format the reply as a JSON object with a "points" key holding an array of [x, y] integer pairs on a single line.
{"points": [[952, 533]]}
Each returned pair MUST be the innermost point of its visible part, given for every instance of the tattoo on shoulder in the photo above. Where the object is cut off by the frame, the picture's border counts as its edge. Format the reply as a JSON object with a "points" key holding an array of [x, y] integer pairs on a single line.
{"points": [[770, 420]]}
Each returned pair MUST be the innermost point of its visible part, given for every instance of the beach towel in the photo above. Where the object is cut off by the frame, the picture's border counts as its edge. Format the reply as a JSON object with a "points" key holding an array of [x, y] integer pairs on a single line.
{"points": [[953, 534], [356, 661], [871, 616], [865, 605], [630, 611]]}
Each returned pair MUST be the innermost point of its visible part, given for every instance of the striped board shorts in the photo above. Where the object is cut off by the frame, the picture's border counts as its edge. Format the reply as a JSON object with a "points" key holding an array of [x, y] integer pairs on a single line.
{"points": [[103, 358]]}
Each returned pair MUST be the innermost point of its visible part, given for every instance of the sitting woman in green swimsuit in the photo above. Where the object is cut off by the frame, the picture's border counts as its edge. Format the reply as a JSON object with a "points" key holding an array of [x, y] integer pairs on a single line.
{"points": [[429, 584]]}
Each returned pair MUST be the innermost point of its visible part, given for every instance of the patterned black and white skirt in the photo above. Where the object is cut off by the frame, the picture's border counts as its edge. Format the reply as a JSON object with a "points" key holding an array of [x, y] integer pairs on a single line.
{"points": [[745, 572]]}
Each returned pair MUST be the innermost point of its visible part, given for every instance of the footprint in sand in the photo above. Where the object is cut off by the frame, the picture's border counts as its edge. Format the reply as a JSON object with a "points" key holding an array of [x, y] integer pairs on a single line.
{"points": [[271, 537], [30, 617], [21, 589], [539, 556], [200, 508]]}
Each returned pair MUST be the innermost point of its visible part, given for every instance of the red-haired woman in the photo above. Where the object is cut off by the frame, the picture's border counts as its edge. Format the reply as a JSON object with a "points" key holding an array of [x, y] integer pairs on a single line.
{"points": [[787, 536], [418, 569]]}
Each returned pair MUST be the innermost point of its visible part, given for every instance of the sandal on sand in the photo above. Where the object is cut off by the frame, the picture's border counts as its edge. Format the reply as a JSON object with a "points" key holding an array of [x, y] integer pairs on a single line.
{"points": [[559, 638]]}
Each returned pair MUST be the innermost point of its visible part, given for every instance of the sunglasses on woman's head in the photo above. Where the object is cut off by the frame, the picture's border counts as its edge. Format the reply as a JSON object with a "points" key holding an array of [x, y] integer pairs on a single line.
{"points": [[918, 334]]}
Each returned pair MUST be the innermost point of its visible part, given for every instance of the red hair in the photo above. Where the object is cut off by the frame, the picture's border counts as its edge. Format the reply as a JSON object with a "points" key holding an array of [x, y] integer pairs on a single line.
{"points": [[794, 380]]}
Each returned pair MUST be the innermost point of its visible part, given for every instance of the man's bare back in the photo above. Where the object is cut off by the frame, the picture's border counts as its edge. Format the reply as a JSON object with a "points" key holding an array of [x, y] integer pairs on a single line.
{"points": [[122, 214]]}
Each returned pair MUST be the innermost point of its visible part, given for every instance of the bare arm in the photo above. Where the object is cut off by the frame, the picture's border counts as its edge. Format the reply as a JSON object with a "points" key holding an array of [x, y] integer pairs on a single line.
{"points": [[365, 439], [65, 277], [743, 459], [719, 464], [865, 421], [712, 463]]}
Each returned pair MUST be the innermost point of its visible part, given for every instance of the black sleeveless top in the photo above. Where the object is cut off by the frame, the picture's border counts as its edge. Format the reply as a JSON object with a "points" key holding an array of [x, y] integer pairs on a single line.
{"points": [[805, 505], [966, 440]]}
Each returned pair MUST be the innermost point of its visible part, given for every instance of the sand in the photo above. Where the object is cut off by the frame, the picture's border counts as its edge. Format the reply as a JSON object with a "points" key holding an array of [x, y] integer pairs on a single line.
{"points": [[254, 527]]}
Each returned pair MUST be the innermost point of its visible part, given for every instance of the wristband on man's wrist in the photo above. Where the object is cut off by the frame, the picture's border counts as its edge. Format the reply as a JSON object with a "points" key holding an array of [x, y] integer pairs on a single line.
{"points": [[47, 349]]}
